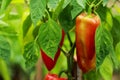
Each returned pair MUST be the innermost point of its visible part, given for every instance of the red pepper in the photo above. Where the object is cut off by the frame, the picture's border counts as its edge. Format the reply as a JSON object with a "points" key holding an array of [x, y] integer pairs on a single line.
{"points": [[50, 63], [53, 77], [85, 41]]}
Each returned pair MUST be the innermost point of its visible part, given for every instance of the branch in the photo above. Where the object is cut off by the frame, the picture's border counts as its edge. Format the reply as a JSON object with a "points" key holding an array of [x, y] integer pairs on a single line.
{"points": [[63, 51], [63, 71], [72, 49], [69, 39]]}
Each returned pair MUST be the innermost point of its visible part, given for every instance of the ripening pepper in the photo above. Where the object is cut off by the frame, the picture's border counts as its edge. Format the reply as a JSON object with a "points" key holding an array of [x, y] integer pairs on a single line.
{"points": [[53, 77], [85, 40], [50, 63]]}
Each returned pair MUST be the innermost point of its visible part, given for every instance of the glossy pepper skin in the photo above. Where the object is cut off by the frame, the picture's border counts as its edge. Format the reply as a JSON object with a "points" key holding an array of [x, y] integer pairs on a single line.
{"points": [[53, 77], [50, 63], [85, 41]]}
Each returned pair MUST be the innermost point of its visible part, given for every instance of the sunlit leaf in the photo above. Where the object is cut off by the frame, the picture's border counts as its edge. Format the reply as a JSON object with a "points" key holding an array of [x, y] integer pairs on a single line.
{"points": [[115, 31], [26, 25], [82, 3], [105, 2], [31, 54], [4, 5], [76, 9], [37, 9], [66, 2], [104, 44], [52, 4], [58, 10], [49, 37], [106, 69], [5, 48]]}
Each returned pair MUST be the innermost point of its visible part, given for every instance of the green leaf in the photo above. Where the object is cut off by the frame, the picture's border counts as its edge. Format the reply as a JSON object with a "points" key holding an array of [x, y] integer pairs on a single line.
{"points": [[36, 31], [37, 9], [14, 39], [106, 69], [102, 12], [67, 16], [57, 10], [76, 9], [4, 5], [49, 37], [6, 29], [26, 25], [103, 44], [52, 4], [82, 3], [66, 2], [31, 54], [105, 16], [65, 19], [5, 48], [105, 2], [115, 31], [90, 75], [109, 20]]}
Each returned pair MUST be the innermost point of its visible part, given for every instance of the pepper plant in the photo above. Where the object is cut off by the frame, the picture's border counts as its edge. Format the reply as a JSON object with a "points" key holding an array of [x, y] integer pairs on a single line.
{"points": [[73, 39]]}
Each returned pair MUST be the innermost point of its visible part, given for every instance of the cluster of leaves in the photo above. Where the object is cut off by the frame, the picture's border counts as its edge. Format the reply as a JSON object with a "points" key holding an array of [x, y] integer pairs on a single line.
{"points": [[66, 16], [63, 10], [48, 19]]}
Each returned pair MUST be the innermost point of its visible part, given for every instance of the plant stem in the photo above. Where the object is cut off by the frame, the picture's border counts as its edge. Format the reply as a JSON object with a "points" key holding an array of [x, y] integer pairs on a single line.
{"points": [[72, 49], [90, 9], [93, 1], [63, 51], [74, 70], [70, 61], [72, 55], [99, 3], [64, 71], [69, 39], [48, 14], [87, 1], [69, 68]]}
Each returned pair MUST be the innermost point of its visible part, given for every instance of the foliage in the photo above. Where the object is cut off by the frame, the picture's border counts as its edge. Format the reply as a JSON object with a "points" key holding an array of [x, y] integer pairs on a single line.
{"points": [[26, 26], [47, 42], [104, 44]]}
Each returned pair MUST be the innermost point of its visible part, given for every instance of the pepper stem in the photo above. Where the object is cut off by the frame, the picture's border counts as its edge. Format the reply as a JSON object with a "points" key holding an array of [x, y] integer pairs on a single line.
{"points": [[90, 9]]}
